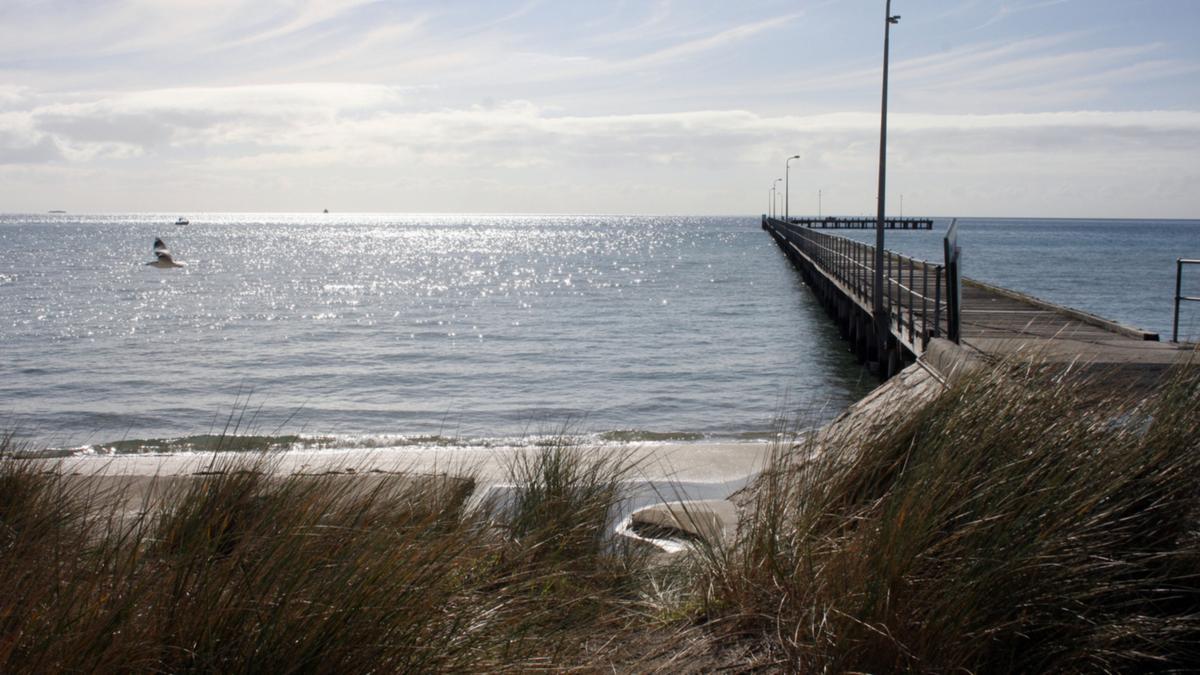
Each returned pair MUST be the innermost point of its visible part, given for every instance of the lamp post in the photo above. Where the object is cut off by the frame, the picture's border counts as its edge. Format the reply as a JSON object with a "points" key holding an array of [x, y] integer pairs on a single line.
{"points": [[773, 195], [881, 320], [787, 190], [818, 203]]}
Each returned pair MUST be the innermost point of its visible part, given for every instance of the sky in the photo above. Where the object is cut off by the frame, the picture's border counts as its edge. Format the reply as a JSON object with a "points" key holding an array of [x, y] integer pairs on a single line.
{"points": [[1018, 108]]}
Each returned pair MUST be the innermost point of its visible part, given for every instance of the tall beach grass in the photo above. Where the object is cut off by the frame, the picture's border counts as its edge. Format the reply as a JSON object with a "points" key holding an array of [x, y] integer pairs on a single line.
{"points": [[1017, 523], [1022, 522], [244, 569]]}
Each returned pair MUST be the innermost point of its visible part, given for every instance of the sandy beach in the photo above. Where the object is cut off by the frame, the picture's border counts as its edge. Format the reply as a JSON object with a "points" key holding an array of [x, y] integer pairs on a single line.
{"points": [[709, 463], [666, 473]]}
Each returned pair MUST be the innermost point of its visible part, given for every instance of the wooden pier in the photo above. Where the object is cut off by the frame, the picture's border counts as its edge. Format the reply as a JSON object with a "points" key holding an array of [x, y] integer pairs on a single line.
{"points": [[926, 301], [841, 223]]}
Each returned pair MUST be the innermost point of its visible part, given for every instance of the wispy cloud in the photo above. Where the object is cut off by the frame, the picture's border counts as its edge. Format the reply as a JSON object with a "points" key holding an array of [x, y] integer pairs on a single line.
{"points": [[718, 40], [1008, 9], [1037, 73], [307, 15]]}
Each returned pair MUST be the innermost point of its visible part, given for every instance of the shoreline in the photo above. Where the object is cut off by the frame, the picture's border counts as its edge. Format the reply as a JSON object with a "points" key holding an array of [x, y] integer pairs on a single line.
{"points": [[701, 462], [684, 486], [666, 473]]}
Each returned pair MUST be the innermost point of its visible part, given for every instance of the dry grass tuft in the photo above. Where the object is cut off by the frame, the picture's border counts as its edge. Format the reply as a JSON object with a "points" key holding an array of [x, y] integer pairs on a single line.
{"points": [[242, 569], [1013, 525]]}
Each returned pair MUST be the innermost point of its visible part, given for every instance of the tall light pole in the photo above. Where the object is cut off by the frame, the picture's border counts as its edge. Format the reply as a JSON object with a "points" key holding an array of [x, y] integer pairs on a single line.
{"points": [[787, 190], [818, 203], [881, 321], [773, 194]]}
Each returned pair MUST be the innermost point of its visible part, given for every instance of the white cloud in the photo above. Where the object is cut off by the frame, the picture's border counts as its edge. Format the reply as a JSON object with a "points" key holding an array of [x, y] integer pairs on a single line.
{"points": [[365, 121], [282, 137]]}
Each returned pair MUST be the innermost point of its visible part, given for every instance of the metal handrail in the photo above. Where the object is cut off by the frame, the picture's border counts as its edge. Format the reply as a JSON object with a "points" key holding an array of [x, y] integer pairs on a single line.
{"points": [[851, 263], [1179, 297]]}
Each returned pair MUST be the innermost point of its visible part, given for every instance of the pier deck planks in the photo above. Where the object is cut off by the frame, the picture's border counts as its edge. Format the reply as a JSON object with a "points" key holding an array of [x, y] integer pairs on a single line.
{"points": [[997, 324]]}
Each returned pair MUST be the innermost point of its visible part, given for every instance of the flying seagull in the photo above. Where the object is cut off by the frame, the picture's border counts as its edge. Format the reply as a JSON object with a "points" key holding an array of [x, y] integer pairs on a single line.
{"points": [[164, 259]]}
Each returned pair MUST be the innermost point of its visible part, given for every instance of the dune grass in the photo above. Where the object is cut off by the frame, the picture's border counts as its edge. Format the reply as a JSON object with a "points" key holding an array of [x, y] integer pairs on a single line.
{"points": [[243, 569], [1018, 523]]}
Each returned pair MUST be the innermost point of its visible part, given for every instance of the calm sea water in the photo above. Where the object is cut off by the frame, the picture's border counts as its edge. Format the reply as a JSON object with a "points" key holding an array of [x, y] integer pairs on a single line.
{"points": [[380, 330]]}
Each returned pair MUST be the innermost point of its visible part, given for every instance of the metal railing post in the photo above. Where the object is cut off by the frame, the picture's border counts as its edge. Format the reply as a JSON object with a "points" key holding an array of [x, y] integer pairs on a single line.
{"points": [[937, 302], [953, 254], [924, 306], [887, 281], [861, 267], [911, 337], [1179, 296]]}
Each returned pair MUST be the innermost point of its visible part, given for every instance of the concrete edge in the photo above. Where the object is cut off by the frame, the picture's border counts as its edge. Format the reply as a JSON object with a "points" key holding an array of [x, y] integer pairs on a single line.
{"points": [[710, 520], [949, 361]]}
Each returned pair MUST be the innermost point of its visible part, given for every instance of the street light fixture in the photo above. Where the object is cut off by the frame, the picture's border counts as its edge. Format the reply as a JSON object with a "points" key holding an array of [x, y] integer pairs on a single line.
{"points": [[787, 190], [773, 192], [881, 321]]}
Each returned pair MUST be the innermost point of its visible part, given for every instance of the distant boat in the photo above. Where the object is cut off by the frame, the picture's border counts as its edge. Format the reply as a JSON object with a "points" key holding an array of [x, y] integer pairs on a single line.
{"points": [[182, 221], [326, 210]]}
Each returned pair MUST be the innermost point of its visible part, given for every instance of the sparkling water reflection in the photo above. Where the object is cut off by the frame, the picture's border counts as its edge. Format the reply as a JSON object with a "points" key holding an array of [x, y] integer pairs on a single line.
{"points": [[376, 325]]}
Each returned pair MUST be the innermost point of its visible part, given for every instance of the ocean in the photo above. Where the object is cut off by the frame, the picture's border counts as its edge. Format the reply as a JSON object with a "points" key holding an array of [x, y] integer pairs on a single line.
{"points": [[372, 330]]}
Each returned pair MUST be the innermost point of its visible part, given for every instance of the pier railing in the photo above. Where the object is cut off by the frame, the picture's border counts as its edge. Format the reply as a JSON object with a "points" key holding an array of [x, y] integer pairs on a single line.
{"points": [[916, 292], [916, 301]]}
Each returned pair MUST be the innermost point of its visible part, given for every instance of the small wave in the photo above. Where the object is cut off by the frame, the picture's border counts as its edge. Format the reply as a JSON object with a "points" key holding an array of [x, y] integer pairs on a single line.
{"points": [[759, 436], [201, 443], [208, 443], [641, 435]]}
